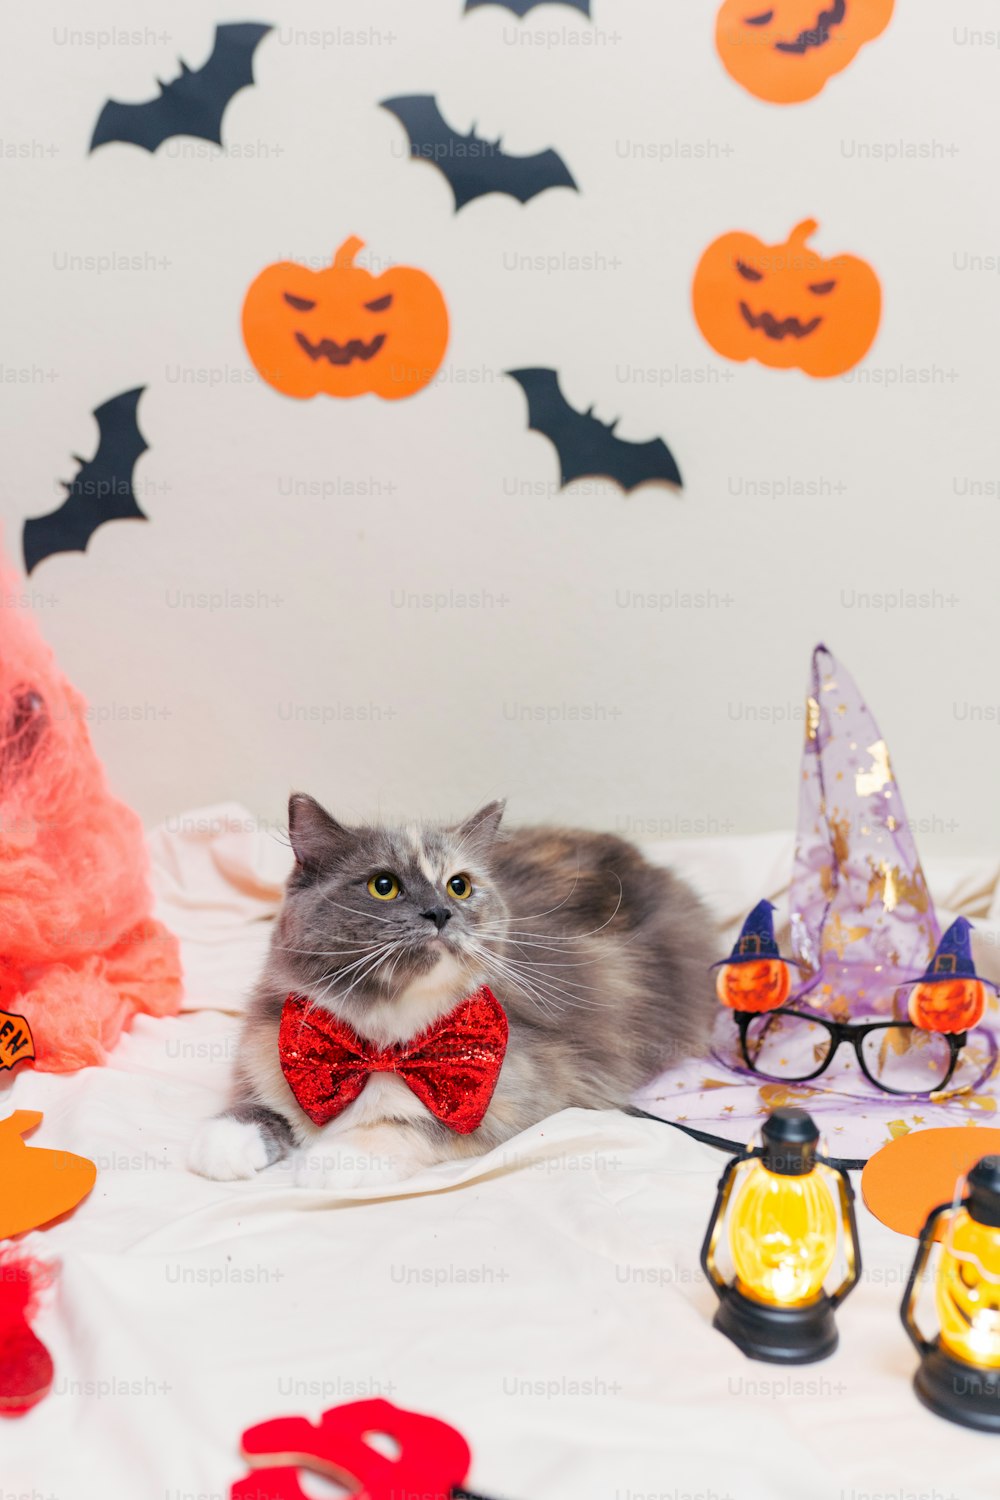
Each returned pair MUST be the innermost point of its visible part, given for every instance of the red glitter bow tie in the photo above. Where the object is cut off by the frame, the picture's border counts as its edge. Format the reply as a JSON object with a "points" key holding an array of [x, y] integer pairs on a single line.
{"points": [[452, 1067]]}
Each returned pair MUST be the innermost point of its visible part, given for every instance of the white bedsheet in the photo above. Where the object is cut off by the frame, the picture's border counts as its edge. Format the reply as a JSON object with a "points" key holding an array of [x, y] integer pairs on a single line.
{"points": [[546, 1298]]}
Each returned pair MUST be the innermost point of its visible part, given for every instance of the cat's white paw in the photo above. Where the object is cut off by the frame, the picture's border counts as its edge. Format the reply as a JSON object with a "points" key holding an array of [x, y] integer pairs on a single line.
{"points": [[227, 1150]]}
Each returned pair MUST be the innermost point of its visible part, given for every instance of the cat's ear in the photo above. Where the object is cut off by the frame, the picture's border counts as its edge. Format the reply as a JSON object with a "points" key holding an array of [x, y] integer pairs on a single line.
{"points": [[482, 827], [316, 838]]}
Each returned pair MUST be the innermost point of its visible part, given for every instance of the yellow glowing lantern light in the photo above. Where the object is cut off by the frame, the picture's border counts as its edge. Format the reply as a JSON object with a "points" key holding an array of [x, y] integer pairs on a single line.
{"points": [[784, 1213], [959, 1373]]}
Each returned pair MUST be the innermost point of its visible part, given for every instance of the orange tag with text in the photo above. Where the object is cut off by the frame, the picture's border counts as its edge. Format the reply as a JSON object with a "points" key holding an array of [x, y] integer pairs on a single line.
{"points": [[16, 1041]]}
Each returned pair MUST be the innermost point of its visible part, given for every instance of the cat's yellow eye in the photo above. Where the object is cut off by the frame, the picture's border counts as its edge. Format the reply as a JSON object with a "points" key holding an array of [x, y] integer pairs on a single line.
{"points": [[460, 886], [384, 887]]}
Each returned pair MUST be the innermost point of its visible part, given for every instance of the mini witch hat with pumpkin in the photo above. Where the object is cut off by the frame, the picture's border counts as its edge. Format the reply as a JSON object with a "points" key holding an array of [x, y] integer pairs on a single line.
{"points": [[756, 940], [755, 977], [949, 994]]}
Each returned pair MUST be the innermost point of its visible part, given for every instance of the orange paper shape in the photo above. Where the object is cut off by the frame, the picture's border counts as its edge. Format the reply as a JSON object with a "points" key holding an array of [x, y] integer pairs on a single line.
{"points": [[908, 1177], [37, 1185], [16, 1041], [784, 305], [785, 51], [342, 331]]}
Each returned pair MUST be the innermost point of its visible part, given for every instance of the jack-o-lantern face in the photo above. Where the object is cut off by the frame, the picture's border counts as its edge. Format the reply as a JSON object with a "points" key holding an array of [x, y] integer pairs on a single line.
{"points": [[758, 986], [785, 50], [947, 1004], [344, 332], [784, 305], [967, 1294]]}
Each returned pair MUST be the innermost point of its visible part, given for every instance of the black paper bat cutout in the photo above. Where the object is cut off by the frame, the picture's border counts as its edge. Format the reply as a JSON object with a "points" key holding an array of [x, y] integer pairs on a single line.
{"points": [[192, 104], [521, 7], [102, 490], [472, 165], [586, 447]]}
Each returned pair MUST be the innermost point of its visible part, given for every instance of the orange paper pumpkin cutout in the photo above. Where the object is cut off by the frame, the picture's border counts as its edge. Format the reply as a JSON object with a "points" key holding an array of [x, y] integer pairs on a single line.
{"points": [[37, 1185], [947, 1005], [759, 986], [343, 331], [785, 305], [784, 51], [908, 1177]]}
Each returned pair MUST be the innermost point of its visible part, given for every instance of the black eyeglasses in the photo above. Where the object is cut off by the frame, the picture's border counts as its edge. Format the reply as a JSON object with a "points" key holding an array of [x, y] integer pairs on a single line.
{"points": [[793, 1046]]}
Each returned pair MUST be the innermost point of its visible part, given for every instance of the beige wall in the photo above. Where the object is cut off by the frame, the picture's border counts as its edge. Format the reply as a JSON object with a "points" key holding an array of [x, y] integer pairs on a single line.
{"points": [[802, 497]]}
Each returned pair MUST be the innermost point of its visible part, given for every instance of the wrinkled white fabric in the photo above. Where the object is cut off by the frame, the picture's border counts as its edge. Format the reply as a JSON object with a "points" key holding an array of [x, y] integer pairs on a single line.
{"points": [[546, 1298]]}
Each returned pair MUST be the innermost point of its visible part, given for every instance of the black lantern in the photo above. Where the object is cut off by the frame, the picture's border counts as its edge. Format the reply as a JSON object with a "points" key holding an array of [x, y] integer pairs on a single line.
{"points": [[959, 1373], [788, 1211]]}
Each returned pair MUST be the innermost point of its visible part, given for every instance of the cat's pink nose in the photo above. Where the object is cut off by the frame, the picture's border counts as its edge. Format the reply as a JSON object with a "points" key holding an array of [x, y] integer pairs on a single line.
{"points": [[439, 915]]}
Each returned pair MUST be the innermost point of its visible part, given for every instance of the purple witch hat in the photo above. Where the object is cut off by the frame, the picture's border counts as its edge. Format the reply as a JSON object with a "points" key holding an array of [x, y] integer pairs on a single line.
{"points": [[862, 917], [952, 958]]}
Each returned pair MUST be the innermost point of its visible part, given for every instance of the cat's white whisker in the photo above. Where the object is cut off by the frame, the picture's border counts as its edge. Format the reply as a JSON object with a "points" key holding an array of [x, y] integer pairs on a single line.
{"points": [[369, 916], [323, 952], [536, 983], [518, 943], [574, 936], [536, 916], [539, 974], [366, 969], [376, 954]]}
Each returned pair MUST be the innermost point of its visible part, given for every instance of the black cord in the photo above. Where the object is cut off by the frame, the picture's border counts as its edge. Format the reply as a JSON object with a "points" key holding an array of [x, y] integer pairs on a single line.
{"points": [[846, 1164]]}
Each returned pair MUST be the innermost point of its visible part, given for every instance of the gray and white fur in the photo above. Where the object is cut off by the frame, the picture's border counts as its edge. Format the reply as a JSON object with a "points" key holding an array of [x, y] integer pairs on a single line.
{"points": [[599, 959]]}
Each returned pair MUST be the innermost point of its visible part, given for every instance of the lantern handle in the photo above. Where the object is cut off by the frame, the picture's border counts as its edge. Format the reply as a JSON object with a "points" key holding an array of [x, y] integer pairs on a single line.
{"points": [[723, 1192], [852, 1241], [907, 1306]]}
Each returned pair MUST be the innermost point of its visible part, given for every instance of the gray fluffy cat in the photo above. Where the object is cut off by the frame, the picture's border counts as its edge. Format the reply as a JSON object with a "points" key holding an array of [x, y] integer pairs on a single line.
{"points": [[599, 959]]}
